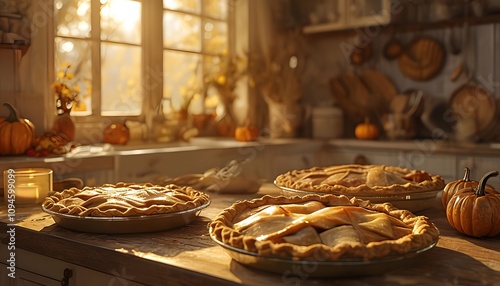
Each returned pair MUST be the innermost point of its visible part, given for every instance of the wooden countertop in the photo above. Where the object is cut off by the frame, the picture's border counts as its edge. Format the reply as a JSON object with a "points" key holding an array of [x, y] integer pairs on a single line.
{"points": [[187, 255], [426, 146]]}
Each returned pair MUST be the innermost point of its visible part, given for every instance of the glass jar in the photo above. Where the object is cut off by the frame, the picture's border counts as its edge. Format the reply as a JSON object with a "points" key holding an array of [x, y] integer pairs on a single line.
{"points": [[27, 186]]}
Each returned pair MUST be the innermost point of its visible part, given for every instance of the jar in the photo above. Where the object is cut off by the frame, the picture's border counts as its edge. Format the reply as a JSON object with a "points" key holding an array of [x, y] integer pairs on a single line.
{"points": [[27, 186], [327, 123]]}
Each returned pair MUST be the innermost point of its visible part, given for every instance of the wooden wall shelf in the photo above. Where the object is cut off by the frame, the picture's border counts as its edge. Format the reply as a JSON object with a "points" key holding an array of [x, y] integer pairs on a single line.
{"points": [[405, 27], [20, 47]]}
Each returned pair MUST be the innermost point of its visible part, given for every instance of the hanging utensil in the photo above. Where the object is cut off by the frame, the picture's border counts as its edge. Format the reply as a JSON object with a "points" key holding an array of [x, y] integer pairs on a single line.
{"points": [[393, 48], [423, 59], [462, 67], [472, 104], [414, 103], [455, 44]]}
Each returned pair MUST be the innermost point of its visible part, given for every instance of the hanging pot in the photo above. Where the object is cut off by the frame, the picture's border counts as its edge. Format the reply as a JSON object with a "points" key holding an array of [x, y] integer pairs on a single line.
{"points": [[423, 59], [473, 106], [475, 111]]}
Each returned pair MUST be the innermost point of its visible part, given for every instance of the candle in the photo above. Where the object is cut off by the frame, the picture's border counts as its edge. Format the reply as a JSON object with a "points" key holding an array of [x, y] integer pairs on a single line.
{"points": [[30, 185], [26, 194]]}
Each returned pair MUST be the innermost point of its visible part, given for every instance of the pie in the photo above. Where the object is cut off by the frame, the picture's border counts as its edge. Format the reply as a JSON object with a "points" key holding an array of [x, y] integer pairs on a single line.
{"points": [[360, 179], [325, 228], [125, 200]]}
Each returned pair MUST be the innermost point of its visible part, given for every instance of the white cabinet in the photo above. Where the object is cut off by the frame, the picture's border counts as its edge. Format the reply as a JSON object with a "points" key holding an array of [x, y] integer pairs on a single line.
{"points": [[4, 279], [434, 163], [93, 171], [35, 269], [26, 278], [479, 165], [331, 15], [337, 156], [264, 161]]}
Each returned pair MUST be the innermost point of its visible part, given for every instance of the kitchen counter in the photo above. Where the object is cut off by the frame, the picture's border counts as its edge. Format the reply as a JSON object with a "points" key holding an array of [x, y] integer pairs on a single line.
{"points": [[101, 164], [187, 256], [139, 148], [425, 146], [103, 151]]}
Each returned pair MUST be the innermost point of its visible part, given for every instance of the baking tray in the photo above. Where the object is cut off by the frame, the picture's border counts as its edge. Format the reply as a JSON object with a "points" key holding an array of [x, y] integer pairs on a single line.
{"points": [[117, 225], [414, 201], [340, 268]]}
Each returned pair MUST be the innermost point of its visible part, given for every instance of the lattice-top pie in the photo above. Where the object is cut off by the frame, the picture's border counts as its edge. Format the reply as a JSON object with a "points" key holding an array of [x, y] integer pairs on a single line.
{"points": [[360, 179], [125, 200], [326, 228]]}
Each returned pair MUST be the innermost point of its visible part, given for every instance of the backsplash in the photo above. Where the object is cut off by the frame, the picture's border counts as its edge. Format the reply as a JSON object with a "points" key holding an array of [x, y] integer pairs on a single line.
{"points": [[327, 60]]}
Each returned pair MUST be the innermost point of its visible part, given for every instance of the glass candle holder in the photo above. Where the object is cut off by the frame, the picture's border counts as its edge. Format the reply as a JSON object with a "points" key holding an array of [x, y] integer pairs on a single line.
{"points": [[28, 185]]}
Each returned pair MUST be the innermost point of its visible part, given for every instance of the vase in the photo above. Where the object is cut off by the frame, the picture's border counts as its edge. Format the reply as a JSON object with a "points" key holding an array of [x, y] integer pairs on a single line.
{"points": [[64, 125], [284, 120]]}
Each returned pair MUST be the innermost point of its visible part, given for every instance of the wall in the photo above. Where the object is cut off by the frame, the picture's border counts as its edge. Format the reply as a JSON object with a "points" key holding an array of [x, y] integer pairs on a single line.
{"points": [[24, 82], [325, 60]]}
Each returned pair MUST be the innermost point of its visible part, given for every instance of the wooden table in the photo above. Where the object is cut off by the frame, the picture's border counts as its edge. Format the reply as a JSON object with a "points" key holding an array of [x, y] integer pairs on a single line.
{"points": [[187, 255]]}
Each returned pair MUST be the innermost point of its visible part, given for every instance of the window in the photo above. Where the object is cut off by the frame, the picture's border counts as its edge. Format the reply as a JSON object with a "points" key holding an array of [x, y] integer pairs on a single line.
{"points": [[114, 48]]}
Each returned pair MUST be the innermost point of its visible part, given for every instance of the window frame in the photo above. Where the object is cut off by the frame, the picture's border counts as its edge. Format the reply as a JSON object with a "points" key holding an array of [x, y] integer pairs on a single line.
{"points": [[151, 69]]}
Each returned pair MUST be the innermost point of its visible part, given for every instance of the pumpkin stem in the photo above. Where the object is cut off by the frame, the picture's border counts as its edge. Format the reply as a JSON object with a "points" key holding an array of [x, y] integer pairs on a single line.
{"points": [[466, 177], [13, 113], [480, 189]]}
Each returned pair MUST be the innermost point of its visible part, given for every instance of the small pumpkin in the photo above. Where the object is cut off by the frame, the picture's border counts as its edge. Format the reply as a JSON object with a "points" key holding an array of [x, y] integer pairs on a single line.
{"points": [[16, 134], [246, 133], [361, 55], [116, 134], [366, 130], [475, 211], [452, 187]]}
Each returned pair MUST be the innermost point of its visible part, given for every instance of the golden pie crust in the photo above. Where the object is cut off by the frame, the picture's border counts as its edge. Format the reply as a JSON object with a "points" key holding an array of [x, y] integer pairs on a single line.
{"points": [[322, 228], [125, 200], [360, 179]]}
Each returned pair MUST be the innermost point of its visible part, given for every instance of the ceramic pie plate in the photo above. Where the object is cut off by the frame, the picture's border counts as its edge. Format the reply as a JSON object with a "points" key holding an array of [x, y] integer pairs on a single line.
{"points": [[414, 202], [136, 224], [311, 268]]}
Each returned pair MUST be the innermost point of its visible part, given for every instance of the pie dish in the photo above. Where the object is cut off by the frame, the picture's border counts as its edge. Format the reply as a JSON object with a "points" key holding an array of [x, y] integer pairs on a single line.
{"points": [[322, 228], [357, 180], [125, 207], [124, 200]]}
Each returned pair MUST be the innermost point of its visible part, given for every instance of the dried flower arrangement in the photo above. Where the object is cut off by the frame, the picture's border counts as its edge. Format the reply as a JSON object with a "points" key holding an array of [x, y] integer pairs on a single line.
{"points": [[66, 91], [224, 74], [275, 73]]}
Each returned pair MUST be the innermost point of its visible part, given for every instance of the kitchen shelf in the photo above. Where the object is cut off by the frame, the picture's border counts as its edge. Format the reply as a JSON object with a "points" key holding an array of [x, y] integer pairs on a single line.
{"points": [[16, 47], [473, 21], [404, 27], [346, 18]]}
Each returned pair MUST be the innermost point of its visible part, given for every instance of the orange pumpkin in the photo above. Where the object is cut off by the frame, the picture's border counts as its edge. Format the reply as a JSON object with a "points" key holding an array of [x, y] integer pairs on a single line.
{"points": [[366, 130], [474, 211], [246, 133], [16, 134], [454, 186], [117, 134]]}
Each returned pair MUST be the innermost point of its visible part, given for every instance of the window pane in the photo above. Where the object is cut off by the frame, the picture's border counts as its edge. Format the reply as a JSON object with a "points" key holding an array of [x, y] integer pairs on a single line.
{"points": [[121, 21], [121, 83], [182, 77], [192, 6], [215, 8], [215, 37], [72, 18], [77, 54], [181, 31]]}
